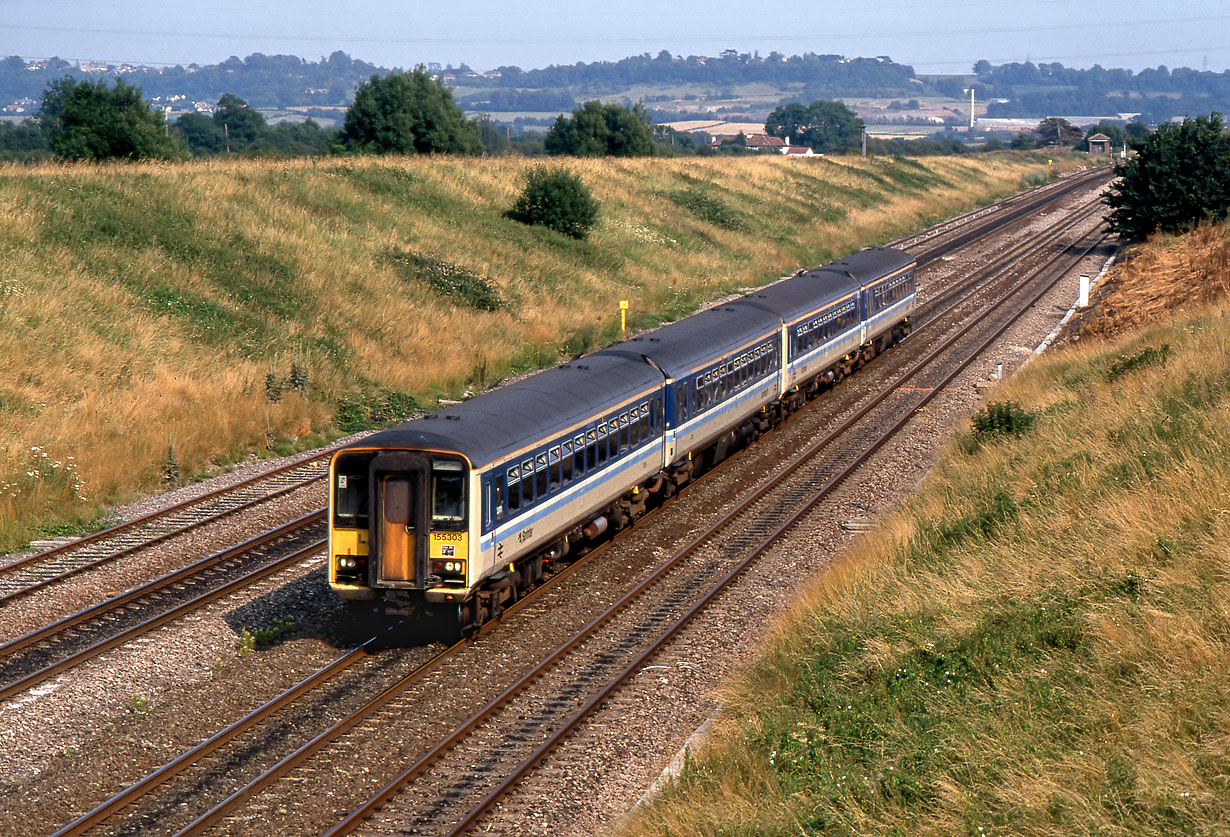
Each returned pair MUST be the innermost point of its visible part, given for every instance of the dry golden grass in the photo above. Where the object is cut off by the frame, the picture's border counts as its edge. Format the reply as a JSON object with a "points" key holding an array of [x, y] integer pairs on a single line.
{"points": [[1035, 644], [145, 305], [1170, 273]]}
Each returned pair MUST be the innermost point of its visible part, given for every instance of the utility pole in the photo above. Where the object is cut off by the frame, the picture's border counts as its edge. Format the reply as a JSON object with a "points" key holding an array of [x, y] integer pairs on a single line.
{"points": [[970, 91], [863, 142], [226, 131]]}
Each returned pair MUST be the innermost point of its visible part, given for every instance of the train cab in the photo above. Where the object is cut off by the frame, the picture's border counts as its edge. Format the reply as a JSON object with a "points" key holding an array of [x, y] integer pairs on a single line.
{"points": [[400, 522]]}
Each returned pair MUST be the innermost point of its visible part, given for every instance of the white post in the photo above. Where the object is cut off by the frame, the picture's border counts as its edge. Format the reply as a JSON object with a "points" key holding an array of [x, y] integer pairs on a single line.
{"points": [[999, 372], [1082, 300], [971, 109]]}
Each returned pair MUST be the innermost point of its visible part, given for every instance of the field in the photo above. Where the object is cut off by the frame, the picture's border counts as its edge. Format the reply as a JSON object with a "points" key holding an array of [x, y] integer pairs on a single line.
{"points": [[1036, 642], [170, 319]]}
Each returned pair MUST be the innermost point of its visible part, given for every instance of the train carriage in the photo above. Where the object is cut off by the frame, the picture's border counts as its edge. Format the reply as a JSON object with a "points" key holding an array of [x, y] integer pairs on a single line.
{"points": [[459, 511], [423, 512], [838, 316], [720, 366]]}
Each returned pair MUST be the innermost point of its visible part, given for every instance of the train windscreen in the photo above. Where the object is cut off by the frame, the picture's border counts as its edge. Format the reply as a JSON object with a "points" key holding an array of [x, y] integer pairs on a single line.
{"points": [[448, 482], [350, 492]]}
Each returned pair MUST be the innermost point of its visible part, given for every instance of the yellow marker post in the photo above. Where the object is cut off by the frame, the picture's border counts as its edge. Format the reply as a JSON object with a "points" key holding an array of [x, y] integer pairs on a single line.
{"points": [[623, 316]]}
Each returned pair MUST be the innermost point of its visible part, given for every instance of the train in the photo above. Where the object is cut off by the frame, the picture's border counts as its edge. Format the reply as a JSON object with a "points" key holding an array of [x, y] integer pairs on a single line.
{"points": [[458, 513]]}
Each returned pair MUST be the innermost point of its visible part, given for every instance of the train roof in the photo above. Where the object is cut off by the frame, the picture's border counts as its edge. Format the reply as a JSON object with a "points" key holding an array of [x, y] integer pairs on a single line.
{"points": [[800, 295], [699, 339], [495, 424], [872, 263]]}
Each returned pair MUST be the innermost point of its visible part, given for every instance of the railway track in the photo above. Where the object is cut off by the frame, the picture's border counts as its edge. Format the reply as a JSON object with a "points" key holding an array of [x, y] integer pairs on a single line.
{"points": [[951, 235], [41, 654], [938, 298], [402, 697], [39, 570], [456, 786], [38, 655]]}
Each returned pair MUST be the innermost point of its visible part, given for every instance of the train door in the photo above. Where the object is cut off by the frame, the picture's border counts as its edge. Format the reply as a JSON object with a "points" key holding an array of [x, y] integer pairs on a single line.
{"points": [[865, 315], [399, 524]]}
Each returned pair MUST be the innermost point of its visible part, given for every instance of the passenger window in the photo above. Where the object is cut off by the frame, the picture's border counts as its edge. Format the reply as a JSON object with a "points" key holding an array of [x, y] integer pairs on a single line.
{"points": [[514, 488], [498, 484], [527, 481], [578, 452], [553, 459], [541, 477], [603, 449]]}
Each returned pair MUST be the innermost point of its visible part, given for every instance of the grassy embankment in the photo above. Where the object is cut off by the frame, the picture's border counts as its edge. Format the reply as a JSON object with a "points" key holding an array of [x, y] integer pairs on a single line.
{"points": [[223, 307], [1038, 641]]}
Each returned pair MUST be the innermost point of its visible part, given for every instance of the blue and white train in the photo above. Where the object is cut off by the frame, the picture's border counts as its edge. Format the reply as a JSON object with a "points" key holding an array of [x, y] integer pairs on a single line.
{"points": [[459, 511]]}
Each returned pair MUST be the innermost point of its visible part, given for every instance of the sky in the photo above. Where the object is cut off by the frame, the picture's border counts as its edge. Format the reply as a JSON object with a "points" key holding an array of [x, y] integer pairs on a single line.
{"points": [[946, 36]]}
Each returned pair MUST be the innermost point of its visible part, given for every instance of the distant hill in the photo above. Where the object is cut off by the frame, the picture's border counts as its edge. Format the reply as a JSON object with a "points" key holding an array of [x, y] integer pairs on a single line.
{"points": [[674, 87]]}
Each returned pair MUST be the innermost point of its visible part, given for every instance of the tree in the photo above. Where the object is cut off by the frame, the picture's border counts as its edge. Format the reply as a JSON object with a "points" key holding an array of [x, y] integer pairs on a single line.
{"points": [[1024, 141], [823, 126], [407, 114], [1055, 130], [241, 127], [1179, 176], [556, 199], [1136, 132], [495, 138], [203, 135], [598, 130], [789, 122], [89, 121], [24, 141]]}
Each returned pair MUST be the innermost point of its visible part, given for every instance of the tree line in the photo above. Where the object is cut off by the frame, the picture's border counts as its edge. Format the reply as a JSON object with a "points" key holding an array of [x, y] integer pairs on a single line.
{"points": [[1026, 89], [398, 113]]}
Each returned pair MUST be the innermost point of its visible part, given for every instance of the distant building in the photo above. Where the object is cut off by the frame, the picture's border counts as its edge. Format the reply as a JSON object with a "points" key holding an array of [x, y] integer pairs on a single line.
{"points": [[766, 143], [1099, 144]]}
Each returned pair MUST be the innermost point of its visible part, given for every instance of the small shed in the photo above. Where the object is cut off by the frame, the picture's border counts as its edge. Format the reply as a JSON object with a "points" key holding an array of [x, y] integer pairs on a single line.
{"points": [[1099, 144]]}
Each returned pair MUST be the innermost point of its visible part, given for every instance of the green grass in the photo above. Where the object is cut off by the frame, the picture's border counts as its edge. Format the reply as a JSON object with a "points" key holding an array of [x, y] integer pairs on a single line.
{"points": [[1035, 643]]}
